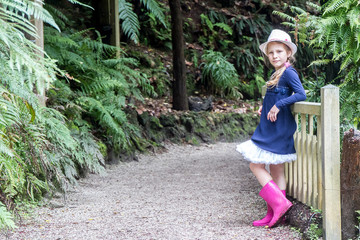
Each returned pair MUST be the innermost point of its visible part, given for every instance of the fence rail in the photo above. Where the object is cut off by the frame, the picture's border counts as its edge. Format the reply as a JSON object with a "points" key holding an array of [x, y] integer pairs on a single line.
{"points": [[314, 178]]}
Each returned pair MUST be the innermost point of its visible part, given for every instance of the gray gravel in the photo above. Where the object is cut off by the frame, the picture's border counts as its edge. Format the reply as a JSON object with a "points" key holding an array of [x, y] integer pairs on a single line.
{"points": [[188, 192]]}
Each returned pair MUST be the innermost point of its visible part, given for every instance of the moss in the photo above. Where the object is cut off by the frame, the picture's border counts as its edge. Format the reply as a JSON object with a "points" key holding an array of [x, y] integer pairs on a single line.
{"points": [[155, 123], [193, 128], [102, 148], [168, 120]]}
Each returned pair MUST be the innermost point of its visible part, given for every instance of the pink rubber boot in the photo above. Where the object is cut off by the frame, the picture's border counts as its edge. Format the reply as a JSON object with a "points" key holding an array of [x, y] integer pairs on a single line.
{"points": [[276, 200], [269, 215]]}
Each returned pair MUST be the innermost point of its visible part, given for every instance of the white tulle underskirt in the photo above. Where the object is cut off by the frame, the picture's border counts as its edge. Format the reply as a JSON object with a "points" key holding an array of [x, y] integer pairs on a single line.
{"points": [[254, 154]]}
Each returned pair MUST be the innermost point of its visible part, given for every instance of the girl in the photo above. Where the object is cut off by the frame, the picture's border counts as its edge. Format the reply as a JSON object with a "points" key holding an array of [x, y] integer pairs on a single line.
{"points": [[272, 142]]}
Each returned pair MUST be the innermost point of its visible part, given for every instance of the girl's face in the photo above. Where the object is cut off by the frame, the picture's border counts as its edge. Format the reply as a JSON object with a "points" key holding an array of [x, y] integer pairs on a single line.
{"points": [[278, 54]]}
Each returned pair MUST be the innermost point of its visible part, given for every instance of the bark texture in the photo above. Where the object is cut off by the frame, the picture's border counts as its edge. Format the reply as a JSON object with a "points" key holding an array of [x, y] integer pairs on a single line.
{"points": [[350, 183], [180, 101]]}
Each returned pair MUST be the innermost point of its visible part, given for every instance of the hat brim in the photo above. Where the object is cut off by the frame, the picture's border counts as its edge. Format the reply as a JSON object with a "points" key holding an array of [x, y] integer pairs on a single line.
{"points": [[292, 46]]}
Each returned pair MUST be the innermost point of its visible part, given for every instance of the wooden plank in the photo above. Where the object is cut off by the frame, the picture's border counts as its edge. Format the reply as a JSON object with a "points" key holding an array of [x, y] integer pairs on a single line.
{"points": [[295, 167], [309, 148], [307, 108], [290, 181], [303, 162], [314, 158], [319, 163]]}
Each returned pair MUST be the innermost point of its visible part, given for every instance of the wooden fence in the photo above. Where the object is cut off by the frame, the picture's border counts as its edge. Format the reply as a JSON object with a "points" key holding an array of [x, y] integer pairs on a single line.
{"points": [[314, 178]]}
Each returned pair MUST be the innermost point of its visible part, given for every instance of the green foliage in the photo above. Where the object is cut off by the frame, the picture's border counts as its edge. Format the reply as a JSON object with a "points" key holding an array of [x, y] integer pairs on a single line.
{"points": [[130, 22], [238, 38], [253, 87], [220, 75], [18, 55], [38, 150], [314, 232], [98, 84], [335, 37], [153, 31], [6, 219], [214, 33]]}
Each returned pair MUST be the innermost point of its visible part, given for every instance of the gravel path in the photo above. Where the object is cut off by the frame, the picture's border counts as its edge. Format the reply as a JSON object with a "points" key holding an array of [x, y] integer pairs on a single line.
{"points": [[188, 192]]}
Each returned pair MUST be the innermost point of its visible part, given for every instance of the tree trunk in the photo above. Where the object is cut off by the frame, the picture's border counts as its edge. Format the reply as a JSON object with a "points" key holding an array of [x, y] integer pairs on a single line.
{"points": [[39, 41], [180, 101], [350, 183], [106, 20]]}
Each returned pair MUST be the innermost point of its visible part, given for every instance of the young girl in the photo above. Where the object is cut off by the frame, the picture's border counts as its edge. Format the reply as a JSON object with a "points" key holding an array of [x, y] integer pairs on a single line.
{"points": [[272, 142]]}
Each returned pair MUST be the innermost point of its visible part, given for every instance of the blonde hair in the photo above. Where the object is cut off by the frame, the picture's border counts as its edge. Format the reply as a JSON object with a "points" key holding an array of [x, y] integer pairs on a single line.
{"points": [[275, 77]]}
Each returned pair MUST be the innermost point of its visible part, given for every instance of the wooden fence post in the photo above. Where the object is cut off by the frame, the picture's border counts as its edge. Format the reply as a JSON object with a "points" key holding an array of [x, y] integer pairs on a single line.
{"points": [[331, 162]]}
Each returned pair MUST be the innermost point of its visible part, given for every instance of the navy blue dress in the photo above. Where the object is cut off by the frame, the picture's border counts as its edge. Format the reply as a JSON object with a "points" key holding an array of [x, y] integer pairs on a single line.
{"points": [[277, 137]]}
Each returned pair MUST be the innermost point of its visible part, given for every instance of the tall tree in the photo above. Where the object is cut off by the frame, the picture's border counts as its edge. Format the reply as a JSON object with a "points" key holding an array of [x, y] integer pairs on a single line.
{"points": [[180, 101]]}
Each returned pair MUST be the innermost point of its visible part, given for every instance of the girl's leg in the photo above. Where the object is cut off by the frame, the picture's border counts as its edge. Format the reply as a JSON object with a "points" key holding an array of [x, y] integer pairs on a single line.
{"points": [[261, 174], [278, 175], [263, 177], [277, 204]]}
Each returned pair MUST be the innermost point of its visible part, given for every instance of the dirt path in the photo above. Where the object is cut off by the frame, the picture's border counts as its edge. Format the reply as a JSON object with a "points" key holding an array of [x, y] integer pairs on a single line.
{"points": [[188, 192]]}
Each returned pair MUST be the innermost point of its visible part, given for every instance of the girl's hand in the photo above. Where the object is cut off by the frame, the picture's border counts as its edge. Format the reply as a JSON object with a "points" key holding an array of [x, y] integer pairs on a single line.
{"points": [[272, 115], [259, 111]]}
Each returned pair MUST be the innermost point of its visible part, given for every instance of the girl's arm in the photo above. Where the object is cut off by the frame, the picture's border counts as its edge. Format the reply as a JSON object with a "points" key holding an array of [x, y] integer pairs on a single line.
{"points": [[293, 81]]}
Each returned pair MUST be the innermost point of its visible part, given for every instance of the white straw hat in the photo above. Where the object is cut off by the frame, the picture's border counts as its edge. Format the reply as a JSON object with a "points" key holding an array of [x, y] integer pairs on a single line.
{"points": [[277, 35]]}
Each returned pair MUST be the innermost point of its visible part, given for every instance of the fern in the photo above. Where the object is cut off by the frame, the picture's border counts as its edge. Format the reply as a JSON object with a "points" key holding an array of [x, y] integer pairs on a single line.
{"points": [[334, 5], [225, 27], [79, 3], [20, 53], [130, 24], [153, 7], [284, 16], [6, 219], [220, 75]]}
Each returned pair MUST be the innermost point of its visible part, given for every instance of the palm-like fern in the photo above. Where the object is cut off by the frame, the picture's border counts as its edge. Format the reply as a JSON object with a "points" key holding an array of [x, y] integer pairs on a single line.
{"points": [[336, 32], [335, 35], [100, 83], [220, 75], [19, 53], [27, 163]]}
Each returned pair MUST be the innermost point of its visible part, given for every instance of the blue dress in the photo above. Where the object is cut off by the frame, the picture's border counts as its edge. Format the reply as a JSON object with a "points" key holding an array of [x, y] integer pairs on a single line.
{"points": [[273, 142]]}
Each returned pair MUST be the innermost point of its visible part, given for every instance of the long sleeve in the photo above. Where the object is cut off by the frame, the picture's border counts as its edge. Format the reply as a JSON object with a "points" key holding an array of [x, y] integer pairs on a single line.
{"points": [[291, 79]]}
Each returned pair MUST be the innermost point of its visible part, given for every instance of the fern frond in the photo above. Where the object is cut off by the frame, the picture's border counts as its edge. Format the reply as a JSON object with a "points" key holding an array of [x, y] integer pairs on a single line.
{"points": [[314, 6], [284, 16], [89, 151], [333, 6], [220, 74], [297, 10], [320, 62], [27, 8], [80, 3], [130, 24], [154, 7], [225, 27], [6, 218]]}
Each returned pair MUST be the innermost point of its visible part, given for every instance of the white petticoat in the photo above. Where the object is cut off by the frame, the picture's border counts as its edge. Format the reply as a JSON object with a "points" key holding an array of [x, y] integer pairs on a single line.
{"points": [[254, 154]]}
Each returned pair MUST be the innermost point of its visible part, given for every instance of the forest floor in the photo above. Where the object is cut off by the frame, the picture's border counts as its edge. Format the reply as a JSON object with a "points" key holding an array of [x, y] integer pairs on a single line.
{"points": [[185, 192]]}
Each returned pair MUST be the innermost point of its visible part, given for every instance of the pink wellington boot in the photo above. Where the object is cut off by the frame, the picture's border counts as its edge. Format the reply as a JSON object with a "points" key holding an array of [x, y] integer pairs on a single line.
{"points": [[276, 200], [269, 215]]}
